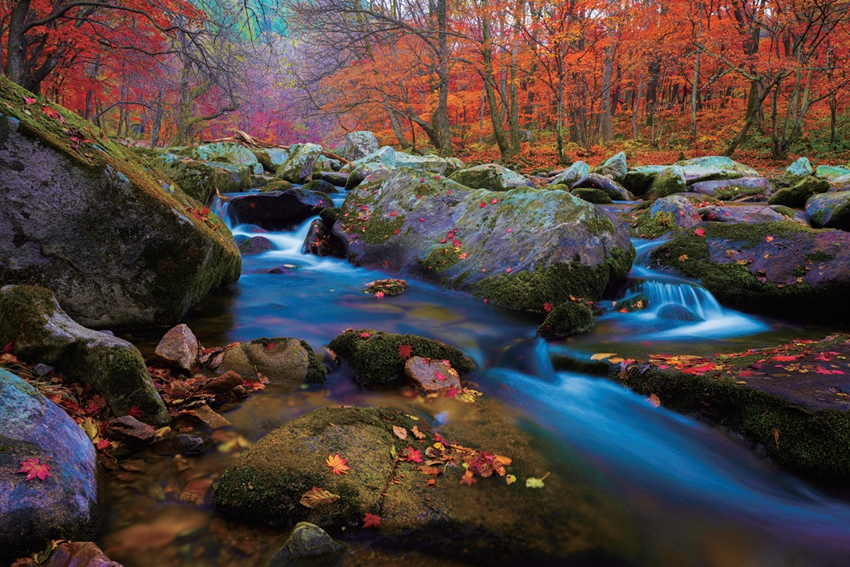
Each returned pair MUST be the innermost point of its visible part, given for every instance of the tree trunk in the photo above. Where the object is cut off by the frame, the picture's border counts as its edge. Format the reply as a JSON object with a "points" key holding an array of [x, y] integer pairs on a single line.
{"points": [[15, 46], [606, 133], [441, 121]]}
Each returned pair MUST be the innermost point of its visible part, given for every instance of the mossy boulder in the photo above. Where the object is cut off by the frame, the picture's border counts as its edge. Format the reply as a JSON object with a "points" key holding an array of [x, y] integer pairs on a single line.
{"points": [[271, 158], [298, 167], [796, 172], [489, 523], [797, 195], [321, 186], [744, 214], [572, 174], [565, 320], [614, 167], [227, 152], [667, 182], [359, 144], [596, 181], [592, 195], [638, 179], [520, 248], [276, 185], [375, 358], [39, 331], [490, 176], [668, 214], [335, 178], [64, 504], [729, 189], [282, 360], [708, 168], [277, 210], [783, 269], [255, 245], [118, 247], [830, 172], [830, 210], [428, 163], [200, 180]]}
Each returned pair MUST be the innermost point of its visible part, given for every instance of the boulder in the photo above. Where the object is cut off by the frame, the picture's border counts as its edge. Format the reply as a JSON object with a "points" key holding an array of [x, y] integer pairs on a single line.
{"points": [[719, 213], [667, 214], [271, 158], [840, 183], [131, 431], [520, 248], [40, 331], [276, 185], [490, 176], [729, 189], [283, 210], [179, 347], [226, 152], [829, 210], [117, 247], [565, 320], [321, 241], [714, 167], [256, 245], [62, 505], [797, 196], [335, 178], [321, 186], [639, 179], [572, 174], [796, 172], [431, 375], [359, 144], [282, 360], [298, 167], [667, 182], [72, 554], [613, 189], [592, 195], [496, 523], [830, 172], [307, 545], [429, 163], [200, 180], [614, 167], [782, 269], [377, 357]]}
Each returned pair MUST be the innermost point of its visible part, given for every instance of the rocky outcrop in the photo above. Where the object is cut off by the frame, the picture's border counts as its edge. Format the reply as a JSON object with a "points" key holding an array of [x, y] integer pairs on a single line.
{"points": [[298, 167], [359, 144], [61, 503], [830, 210], [490, 176], [521, 248], [93, 223], [39, 331]]}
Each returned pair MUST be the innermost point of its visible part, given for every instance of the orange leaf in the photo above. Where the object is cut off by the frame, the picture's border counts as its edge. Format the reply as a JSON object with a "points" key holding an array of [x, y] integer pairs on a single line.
{"points": [[400, 432], [317, 497], [468, 479], [337, 464]]}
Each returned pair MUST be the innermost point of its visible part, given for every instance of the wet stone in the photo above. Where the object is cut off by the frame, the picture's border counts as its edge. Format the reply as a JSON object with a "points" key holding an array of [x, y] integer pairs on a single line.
{"points": [[224, 383], [179, 347], [430, 374], [183, 444], [195, 491], [130, 430]]}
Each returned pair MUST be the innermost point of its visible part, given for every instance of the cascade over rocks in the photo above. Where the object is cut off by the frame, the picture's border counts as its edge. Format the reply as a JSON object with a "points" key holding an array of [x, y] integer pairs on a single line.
{"points": [[521, 248], [117, 247], [64, 504], [277, 210]]}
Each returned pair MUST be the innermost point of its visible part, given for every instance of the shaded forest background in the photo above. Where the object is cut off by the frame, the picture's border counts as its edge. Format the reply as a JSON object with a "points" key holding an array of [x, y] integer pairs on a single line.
{"points": [[532, 82]]}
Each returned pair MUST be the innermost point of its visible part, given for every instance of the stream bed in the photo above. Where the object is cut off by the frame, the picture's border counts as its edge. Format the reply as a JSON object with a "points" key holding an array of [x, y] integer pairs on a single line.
{"points": [[687, 493]]}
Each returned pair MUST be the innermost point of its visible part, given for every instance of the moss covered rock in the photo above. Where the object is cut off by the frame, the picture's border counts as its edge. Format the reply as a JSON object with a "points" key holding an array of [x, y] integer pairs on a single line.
{"points": [[375, 357], [277, 210], [282, 360], [64, 504], [565, 320], [666, 182], [572, 174], [276, 185], [200, 180], [730, 189], [604, 183], [797, 195], [668, 214], [830, 172], [592, 195], [118, 247], [830, 210], [521, 248], [489, 523], [754, 213], [782, 269], [31, 319], [639, 179], [714, 167], [614, 167], [796, 172], [490, 176], [298, 167], [359, 144]]}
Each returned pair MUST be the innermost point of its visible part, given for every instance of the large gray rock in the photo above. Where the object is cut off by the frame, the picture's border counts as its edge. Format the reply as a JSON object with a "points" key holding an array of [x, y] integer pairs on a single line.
{"points": [[299, 166], [282, 360], [283, 210], [796, 172], [359, 144], [64, 504], [572, 174], [614, 167], [490, 176], [714, 167], [429, 163], [117, 248], [31, 319], [746, 214], [830, 210], [728, 189], [227, 152], [521, 248]]}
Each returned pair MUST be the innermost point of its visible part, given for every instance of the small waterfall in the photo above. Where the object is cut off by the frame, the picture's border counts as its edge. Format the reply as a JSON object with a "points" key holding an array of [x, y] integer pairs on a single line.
{"points": [[695, 299]]}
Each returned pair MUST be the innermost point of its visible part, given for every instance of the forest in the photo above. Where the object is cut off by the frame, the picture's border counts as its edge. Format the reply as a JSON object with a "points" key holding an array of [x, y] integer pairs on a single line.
{"points": [[525, 80]]}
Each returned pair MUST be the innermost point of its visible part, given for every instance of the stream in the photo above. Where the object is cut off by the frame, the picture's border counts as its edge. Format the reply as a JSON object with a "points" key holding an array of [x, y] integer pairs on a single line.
{"points": [[695, 495]]}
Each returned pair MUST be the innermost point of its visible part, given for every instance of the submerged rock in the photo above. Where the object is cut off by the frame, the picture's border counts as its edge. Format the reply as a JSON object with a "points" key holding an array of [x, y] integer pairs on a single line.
{"points": [[376, 357], [118, 247], [565, 320], [490, 176], [40, 331], [62, 505], [782, 269], [256, 245], [282, 360], [520, 248]]}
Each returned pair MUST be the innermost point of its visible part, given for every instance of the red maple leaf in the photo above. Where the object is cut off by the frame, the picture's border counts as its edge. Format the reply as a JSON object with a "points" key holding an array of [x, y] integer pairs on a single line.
{"points": [[337, 464], [34, 469], [547, 307], [700, 232], [135, 411], [371, 521], [784, 358], [365, 335], [405, 351], [411, 455], [8, 348]]}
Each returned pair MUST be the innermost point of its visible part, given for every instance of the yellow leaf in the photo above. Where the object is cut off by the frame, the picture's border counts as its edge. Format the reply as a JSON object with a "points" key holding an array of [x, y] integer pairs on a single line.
{"points": [[615, 360], [602, 355], [532, 482], [510, 479], [90, 427], [683, 257], [317, 497]]}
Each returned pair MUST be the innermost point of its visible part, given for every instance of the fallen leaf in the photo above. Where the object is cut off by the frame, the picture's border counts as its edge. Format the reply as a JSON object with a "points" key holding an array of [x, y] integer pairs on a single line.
{"points": [[653, 399], [532, 482], [700, 232], [510, 479], [317, 497], [683, 257], [34, 469], [776, 437], [468, 479], [337, 464], [412, 455], [405, 351], [371, 521], [768, 239], [416, 433], [602, 355], [90, 427], [400, 432]]}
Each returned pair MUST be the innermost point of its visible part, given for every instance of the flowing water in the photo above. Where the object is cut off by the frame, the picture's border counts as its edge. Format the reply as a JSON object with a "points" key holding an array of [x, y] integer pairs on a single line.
{"points": [[695, 495]]}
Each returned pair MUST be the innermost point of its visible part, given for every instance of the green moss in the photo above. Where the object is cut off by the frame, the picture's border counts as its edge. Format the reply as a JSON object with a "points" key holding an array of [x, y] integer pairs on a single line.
{"points": [[809, 442], [23, 310], [591, 195], [797, 195], [375, 359], [558, 187], [819, 256], [531, 290], [379, 229], [736, 191], [329, 216], [653, 226], [441, 258], [786, 211], [276, 185], [316, 371], [565, 320]]}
